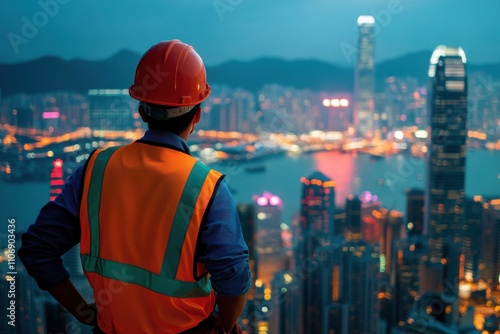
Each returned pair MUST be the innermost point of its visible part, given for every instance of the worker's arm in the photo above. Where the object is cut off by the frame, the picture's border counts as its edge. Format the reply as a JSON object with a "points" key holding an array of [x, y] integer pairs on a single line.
{"points": [[55, 231], [67, 295], [225, 254], [230, 309]]}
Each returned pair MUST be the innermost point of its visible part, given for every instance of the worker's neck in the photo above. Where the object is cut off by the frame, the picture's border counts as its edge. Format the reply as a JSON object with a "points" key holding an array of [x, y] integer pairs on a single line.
{"points": [[185, 134]]}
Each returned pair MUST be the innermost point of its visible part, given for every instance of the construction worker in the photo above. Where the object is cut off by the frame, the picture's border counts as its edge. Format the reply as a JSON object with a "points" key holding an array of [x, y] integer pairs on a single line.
{"points": [[160, 239]]}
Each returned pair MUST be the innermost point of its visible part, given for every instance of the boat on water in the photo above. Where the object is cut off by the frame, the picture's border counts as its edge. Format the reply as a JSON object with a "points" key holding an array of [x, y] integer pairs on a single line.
{"points": [[376, 156], [255, 169]]}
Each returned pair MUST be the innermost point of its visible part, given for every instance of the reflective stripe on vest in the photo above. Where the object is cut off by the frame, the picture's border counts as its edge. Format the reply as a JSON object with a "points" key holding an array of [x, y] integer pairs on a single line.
{"points": [[165, 282]]}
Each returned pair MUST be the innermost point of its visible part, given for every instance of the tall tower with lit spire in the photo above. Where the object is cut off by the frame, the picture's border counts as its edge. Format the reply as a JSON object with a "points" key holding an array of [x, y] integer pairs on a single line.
{"points": [[444, 206], [364, 78]]}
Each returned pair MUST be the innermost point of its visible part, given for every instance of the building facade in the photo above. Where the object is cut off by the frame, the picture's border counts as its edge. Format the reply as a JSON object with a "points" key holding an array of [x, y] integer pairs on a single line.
{"points": [[447, 150], [364, 78]]}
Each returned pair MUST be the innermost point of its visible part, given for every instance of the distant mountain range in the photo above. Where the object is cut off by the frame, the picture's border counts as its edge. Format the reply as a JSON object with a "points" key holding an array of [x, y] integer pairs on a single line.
{"points": [[54, 74]]}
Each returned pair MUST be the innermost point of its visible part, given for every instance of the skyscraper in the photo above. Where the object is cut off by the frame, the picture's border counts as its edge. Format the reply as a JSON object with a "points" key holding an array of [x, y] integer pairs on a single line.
{"points": [[472, 237], [364, 78], [409, 255], [491, 242], [57, 179], [268, 242], [353, 217], [361, 281], [246, 214], [444, 206], [415, 201], [318, 205]]}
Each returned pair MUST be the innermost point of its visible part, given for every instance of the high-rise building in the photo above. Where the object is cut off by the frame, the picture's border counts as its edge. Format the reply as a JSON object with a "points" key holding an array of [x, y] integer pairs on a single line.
{"points": [[444, 207], [491, 243], [364, 78], [472, 238], [285, 317], [371, 227], [246, 214], [391, 225], [361, 282], [317, 207], [353, 217], [317, 227], [336, 307], [415, 201], [409, 255], [113, 109], [57, 179], [268, 242], [309, 273]]}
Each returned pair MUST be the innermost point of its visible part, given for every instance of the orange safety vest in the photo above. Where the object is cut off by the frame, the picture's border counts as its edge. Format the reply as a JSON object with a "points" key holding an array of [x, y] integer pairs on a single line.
{"points": [[141, 211]]}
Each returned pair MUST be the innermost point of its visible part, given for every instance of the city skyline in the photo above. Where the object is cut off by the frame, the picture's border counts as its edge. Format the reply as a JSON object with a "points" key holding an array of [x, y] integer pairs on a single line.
{"points": [[241, 30], [331, 250]]}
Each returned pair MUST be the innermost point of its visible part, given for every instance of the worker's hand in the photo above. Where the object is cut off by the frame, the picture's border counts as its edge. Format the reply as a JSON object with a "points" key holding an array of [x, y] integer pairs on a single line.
{"points": [[87, 315]]}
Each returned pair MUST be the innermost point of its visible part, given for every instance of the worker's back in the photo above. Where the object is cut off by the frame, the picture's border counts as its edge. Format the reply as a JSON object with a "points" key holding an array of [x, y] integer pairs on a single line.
{"points": [[142, 206]]}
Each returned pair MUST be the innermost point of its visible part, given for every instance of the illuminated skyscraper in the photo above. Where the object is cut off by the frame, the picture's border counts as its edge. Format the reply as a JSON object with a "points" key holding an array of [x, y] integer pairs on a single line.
{"points": [[444, 211], [472, 237], [246, 214], [410, 253], [318, 205], [364, 78], [285, 317], [268, 242], [317, 226], [415, 201], [491, 242], [361, 273], [57, 179], [353, 217]]}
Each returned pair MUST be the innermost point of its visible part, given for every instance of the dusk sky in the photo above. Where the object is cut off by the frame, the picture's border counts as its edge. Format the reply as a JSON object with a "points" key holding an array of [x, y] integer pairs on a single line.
{"points": [[223, 30]]}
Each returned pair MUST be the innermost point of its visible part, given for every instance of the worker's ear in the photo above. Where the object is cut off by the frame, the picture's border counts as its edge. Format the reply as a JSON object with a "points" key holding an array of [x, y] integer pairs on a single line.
{"points": [[141, 112], [197, 116]]}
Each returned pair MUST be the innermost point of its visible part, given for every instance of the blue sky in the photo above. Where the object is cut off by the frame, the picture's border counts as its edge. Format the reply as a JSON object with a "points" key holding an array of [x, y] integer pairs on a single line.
{"points": [[223, 30]]}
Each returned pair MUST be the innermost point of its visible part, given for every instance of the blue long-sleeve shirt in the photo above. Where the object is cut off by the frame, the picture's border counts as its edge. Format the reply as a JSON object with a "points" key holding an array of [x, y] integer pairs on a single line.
{"points": [[57, 229]]}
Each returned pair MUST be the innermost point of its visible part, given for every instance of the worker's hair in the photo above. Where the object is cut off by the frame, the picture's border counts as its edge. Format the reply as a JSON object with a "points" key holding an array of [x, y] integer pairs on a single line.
{"points": [[174, 125]]}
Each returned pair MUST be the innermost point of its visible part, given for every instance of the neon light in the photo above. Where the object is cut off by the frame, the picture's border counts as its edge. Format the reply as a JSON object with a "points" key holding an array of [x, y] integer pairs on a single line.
{"points": [[274, 200], [50, 114], [58, 163], [262, 201]]}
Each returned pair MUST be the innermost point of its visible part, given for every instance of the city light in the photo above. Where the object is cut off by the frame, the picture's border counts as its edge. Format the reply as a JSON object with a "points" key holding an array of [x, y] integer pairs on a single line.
{"points": [[268, 199], [50, 114], [366, 19], [336, 102], [274, 200], [58, 163], [398, 135], [262, 201], [421, 134]]}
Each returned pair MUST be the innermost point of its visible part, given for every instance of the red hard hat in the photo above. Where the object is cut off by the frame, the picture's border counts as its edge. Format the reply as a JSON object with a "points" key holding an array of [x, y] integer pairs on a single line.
{"points": [[170, 73]]}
